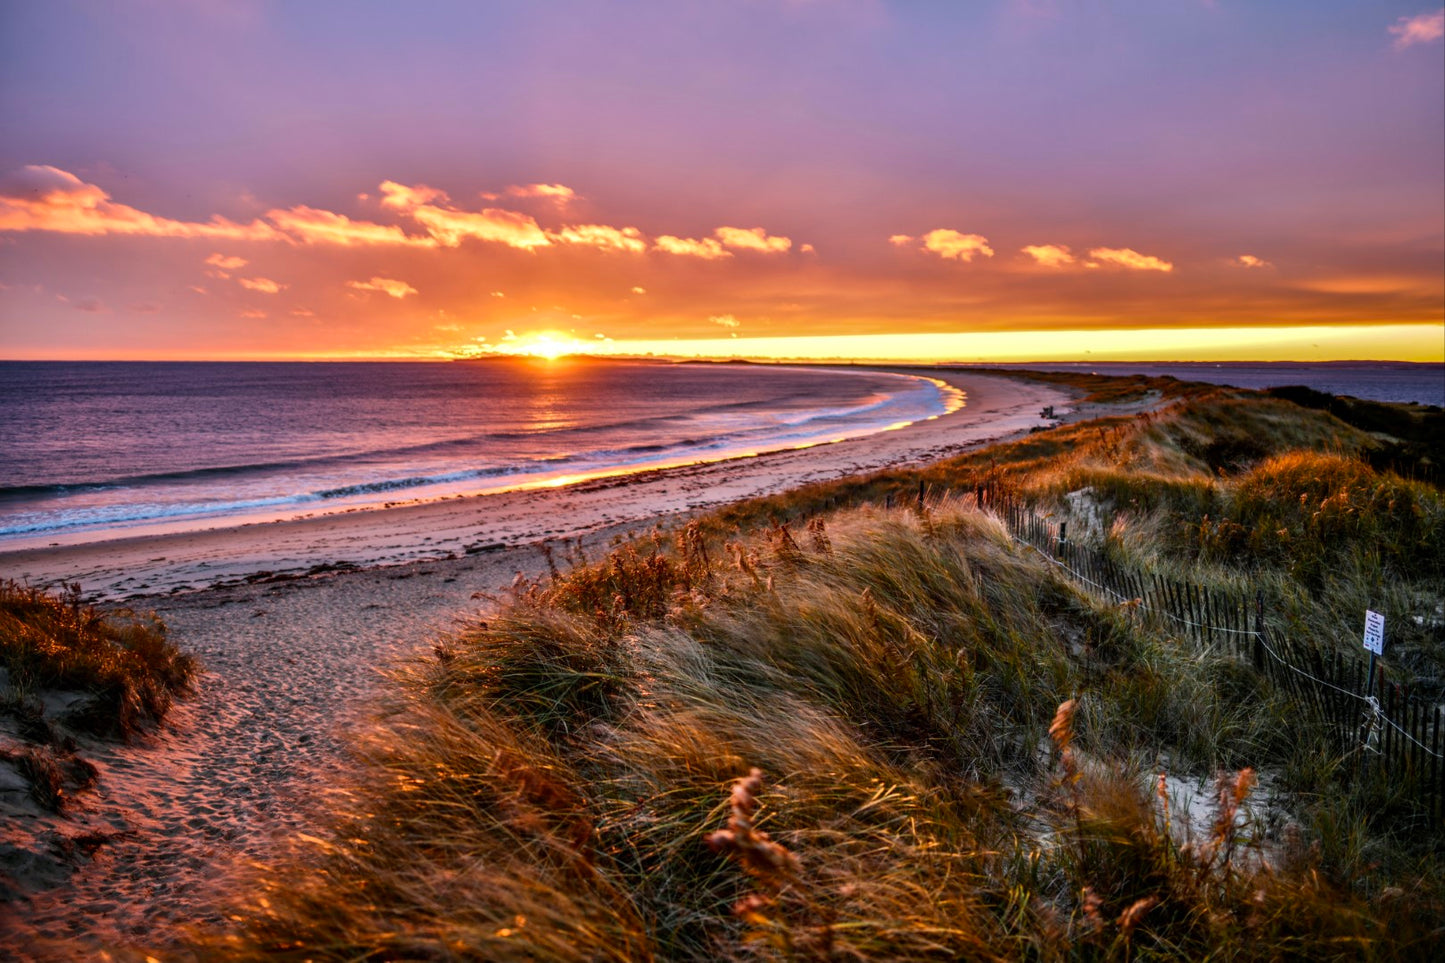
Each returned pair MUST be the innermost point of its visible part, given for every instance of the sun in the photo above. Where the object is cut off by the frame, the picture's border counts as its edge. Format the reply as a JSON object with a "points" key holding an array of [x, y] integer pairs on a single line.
{"points": [[545, 345]]}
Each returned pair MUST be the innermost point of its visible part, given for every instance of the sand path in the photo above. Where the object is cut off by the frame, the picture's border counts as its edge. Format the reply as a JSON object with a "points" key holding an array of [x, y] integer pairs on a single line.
{"points": [[287, 667], [291, 664]]}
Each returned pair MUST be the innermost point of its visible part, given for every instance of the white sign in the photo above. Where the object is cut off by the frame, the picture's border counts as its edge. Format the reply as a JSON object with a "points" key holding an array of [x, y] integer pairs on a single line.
{"points": [[1374, 632]]}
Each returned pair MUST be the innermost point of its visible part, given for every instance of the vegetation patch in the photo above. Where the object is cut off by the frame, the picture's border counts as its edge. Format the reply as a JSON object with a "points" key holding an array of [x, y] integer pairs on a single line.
{"points": [[121, 663], [859, 721]]}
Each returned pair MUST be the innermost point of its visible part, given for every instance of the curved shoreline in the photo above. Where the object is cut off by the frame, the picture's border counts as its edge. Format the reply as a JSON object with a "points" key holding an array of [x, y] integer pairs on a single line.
{"points": [[292, 663], [897, 399], [168, 563]]}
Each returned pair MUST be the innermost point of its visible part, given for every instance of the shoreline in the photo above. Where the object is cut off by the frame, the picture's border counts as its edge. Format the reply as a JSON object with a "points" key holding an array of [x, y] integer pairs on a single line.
{"points": [[134, 567], [295, 660]]}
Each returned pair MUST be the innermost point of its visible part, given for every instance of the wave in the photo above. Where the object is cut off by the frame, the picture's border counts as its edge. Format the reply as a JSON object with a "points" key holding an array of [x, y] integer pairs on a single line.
{"points": [[921, 399]]}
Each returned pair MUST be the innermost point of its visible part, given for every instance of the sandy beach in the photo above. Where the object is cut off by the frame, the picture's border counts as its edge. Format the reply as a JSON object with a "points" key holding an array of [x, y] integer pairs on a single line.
{"points": [[295, 622]]}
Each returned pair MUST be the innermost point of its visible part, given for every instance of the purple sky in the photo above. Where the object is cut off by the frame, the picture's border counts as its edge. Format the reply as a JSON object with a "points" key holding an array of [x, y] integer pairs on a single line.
{"points": [[1275, 165]]}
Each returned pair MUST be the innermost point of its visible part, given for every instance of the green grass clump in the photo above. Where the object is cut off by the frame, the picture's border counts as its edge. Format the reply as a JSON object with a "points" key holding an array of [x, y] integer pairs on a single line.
{"points": [[122, 661]]}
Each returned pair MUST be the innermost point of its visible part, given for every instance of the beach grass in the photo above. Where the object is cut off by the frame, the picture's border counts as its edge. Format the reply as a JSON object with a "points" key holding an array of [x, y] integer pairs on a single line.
{"points": [[73, 670], [858, 721], [121, 661]]}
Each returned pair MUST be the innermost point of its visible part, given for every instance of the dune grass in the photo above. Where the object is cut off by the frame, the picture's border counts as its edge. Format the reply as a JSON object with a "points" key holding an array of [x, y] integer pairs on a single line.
{"points": [[120, 660], [116, 670], [816, 727]]}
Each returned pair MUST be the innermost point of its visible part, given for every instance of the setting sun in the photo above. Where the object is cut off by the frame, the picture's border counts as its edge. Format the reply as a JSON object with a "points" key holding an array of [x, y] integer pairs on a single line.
{"points": [[549, 345]]}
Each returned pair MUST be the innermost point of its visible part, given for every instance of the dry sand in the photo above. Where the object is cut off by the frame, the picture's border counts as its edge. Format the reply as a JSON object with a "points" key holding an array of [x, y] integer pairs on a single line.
{"points": [[290, 662]]}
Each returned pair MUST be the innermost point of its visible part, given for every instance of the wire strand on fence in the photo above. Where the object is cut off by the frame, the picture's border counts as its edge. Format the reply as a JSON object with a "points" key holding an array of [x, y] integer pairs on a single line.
{"points": [[1393, 725]]}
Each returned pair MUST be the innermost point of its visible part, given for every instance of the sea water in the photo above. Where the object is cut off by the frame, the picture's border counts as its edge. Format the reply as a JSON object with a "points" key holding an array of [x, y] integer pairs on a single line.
{"points": [[98, 449]]}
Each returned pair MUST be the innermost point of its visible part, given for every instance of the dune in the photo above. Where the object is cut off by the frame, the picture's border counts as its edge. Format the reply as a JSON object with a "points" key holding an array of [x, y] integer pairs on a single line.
{"points": [[295, 621]]}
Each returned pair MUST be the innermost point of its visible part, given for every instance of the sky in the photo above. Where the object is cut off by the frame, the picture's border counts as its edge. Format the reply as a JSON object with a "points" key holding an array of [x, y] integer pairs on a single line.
{"points": [[990, 180]]}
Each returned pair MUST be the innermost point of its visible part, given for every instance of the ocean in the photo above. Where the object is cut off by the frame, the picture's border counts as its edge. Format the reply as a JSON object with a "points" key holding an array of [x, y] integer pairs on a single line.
{"points": [[1402, 382], [92, 450]]}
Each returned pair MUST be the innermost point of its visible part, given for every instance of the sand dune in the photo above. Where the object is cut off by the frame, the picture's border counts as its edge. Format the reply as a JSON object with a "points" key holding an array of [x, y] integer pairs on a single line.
{"points": [[292, 661]]}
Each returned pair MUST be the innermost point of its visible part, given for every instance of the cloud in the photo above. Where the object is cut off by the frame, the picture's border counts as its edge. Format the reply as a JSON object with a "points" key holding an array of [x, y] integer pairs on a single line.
{"points": [[1250, 261], [558, 193], [1050, 255], [707, 248], [499, 294], [726, 320], [253, 314], [1421, 28], [402, 198], [314, 226], [388, 286], [752, 239], [39, 198], [639, 289], [900, 240], [43, 198], [603, 236], [450, 226], [264, 285], [952, 244], [807, 249], [226, 263], [1128, 258]]}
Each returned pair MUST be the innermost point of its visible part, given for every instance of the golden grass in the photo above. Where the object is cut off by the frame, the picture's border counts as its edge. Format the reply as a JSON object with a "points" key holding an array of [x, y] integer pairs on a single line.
{"points": [[812, 727], [121, 659]]}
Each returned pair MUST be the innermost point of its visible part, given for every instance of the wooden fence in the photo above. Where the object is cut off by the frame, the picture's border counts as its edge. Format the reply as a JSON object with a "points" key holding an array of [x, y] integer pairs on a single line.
{"points": [[1378, 719]]}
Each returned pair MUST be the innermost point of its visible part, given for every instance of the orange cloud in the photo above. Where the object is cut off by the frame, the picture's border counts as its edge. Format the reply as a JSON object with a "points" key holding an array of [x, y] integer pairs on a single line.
{"points": [[900, 240], [1050, 255], [388, 286], [253, 314], [603, 236], [314, 226], [947, 244], [707, 248], [560, 193], [1421, 28], [403, 198], [1250, 261], [726, 320], [1128, 258], [752, 239], [43, 198], [264, 285], [450, 226], [226, 263]]}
